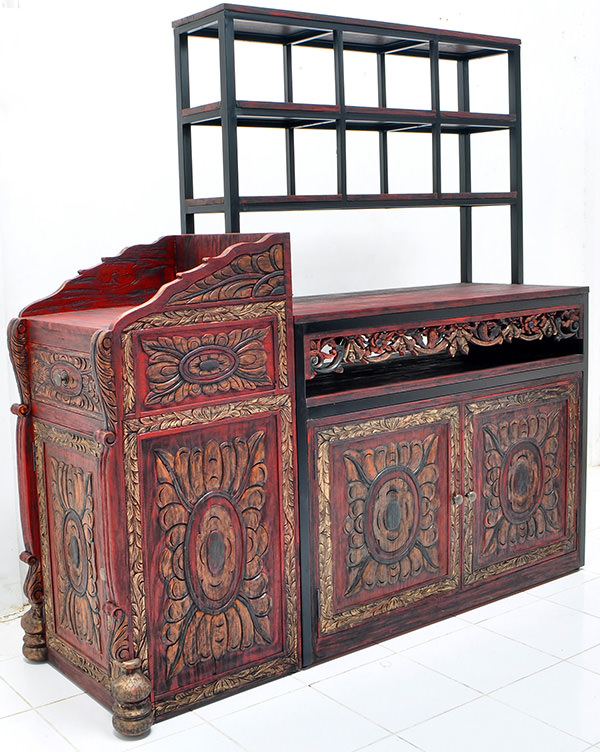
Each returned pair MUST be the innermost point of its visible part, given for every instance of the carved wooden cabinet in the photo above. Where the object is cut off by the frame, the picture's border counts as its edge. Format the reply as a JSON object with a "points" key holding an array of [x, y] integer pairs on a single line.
{"points": [[441, 445], [156, 460]]}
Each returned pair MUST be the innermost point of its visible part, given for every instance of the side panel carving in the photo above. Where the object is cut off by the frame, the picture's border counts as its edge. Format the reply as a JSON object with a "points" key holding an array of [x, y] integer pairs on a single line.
{"points": [[520, 457]]}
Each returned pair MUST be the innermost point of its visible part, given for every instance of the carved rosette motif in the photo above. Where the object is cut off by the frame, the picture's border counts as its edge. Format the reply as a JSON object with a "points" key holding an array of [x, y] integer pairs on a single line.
{"points": [[78, 607], [134, 428], [522, 484], [256, 275], [64, 379], [216, 585], [391, 524], [333, 354], [376, 532], [180, 367]]}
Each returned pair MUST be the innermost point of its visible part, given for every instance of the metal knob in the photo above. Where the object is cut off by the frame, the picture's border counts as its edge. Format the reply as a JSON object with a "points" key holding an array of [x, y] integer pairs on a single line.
{"points": [[472, 497], [458, 499]]}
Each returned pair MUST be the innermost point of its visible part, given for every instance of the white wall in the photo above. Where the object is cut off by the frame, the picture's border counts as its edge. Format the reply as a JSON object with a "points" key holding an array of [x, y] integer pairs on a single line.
{"points": [[88, 165]]}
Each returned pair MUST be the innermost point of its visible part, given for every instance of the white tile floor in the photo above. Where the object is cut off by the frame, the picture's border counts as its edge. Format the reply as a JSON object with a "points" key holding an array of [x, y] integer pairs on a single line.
{"points": [[519, 675]]}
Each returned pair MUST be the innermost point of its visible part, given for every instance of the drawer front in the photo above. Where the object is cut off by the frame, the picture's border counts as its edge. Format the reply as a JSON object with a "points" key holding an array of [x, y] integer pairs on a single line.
{"points": [[521, 453], [385, 529], [65, 380]]}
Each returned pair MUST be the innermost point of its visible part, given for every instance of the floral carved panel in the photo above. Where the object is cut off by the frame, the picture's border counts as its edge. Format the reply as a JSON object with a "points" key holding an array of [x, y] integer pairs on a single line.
{"points": [[64, 379], [215, 531], [72, 527], [190, 364], [386, 537], [519, 454]]}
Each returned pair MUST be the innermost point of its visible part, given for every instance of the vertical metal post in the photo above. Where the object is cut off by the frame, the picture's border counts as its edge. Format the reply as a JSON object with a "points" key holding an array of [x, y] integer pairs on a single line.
{"points": [[436, 131], [231, 194], [184, 132], [516, 176], [384, 182], [340, 98], [464, 160], [290, 152]]}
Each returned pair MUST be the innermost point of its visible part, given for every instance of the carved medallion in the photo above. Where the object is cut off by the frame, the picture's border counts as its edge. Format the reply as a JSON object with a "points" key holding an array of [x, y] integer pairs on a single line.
{"points": [[391, 525], [521, 483], [180, 367], [212, 566], [77, 606]]}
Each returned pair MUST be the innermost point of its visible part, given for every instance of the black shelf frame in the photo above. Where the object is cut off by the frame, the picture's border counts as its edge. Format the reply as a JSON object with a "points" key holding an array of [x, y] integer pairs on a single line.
{"points": [[229, 23]]}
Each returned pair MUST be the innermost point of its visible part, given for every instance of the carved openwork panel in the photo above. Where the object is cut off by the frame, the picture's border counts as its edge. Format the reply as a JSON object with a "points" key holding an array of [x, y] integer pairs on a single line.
{"points": [[385, 524], [214, 558], [65, 380], [520, 453], [192, 364], [70, 527]]}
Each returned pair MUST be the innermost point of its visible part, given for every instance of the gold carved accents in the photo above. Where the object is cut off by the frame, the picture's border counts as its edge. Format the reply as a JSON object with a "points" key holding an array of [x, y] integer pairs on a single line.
{"points": [[524, 437], [132, 710], [212, 566], [105, 376], [180, 367], [118, 642], [392, 497], [333, 354], [65, 379], [17, 345], [192, 316], [72, 502], [32, 622], [362, 482], [257, 275]]}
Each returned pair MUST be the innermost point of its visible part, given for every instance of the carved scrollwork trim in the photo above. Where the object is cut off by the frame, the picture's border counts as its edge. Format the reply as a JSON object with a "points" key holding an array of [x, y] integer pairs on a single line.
{"points": [[17, 346], [281, 404], [105, 376], [333, 354], [186, 317], [250, 275], [330, 620], [538, 396]]}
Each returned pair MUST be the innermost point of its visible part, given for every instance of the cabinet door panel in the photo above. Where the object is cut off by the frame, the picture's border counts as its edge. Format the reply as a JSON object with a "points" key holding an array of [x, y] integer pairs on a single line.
{"points": [[385, 533], [214, 555], [521, 462]]}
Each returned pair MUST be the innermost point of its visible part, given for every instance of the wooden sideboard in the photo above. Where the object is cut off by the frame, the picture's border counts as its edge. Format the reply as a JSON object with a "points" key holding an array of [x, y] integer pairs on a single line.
{"points": [[440, 437]]}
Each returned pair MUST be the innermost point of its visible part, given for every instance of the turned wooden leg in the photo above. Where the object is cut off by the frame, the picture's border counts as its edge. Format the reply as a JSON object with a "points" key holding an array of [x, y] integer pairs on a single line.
{"points": [[33, 622], [132, 710]]}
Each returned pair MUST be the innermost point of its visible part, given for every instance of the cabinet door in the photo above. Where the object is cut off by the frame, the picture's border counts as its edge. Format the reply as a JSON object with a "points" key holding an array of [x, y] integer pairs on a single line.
{"points": [[71, 527], [219, 558], [521, 465], [384, 531]]}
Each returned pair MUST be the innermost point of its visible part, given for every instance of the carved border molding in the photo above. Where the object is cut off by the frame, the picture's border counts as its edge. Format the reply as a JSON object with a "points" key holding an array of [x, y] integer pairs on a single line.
{"points": [[185, 317], [43, 432], [333, 354], [331, 621], [105, 376], [529, 397], [17, 346], [281, 405]]}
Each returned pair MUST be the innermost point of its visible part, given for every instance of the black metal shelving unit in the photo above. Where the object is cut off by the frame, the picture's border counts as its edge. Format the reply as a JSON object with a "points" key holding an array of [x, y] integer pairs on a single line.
{"points": [[231, 23]]}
